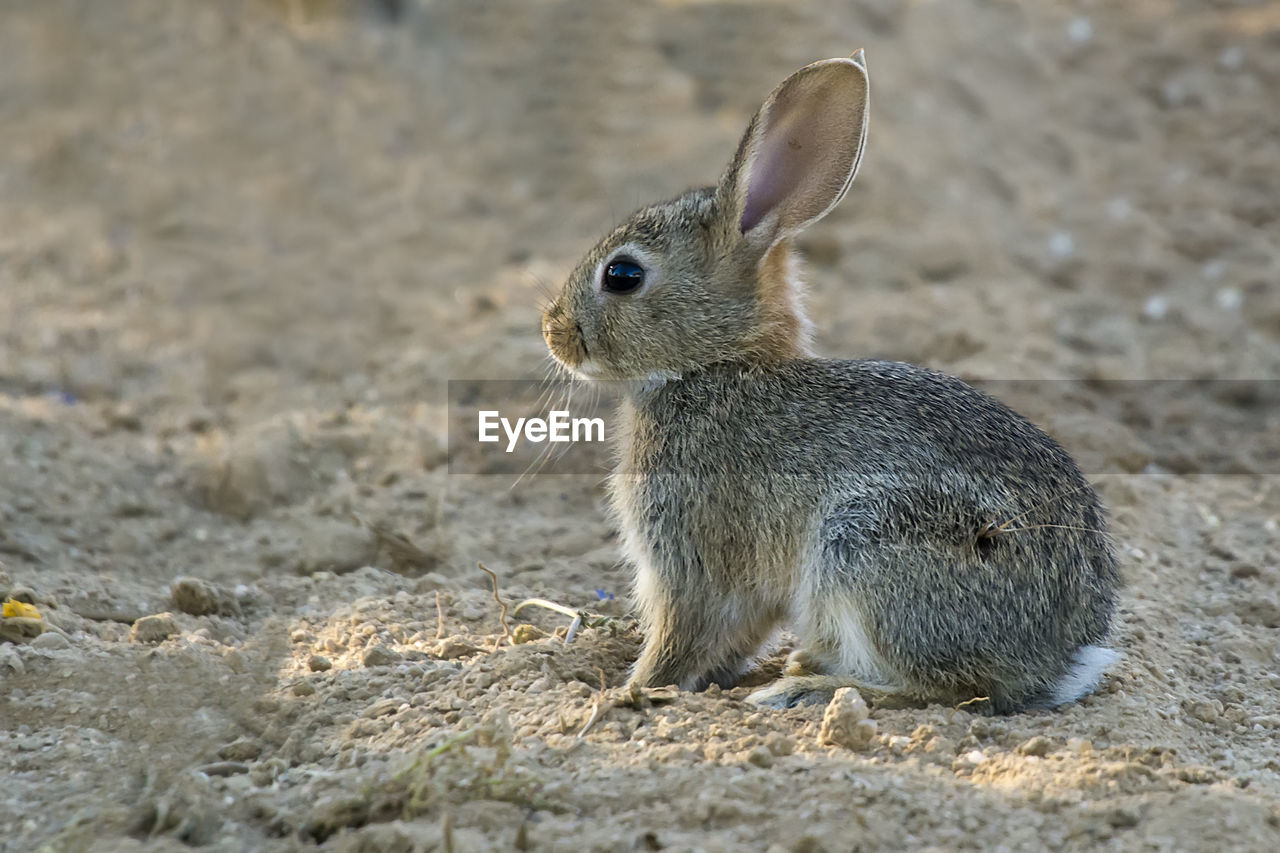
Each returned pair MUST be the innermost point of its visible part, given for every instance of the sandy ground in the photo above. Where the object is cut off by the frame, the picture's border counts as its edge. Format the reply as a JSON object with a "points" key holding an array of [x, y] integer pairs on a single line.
{"points": [[244, 244]]}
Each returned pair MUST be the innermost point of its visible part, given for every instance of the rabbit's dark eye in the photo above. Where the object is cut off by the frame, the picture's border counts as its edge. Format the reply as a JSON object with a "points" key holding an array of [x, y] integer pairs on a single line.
{"points": [[622, 275]]}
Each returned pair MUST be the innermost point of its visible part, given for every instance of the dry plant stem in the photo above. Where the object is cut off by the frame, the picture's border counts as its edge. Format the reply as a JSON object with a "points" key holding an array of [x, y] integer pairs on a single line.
{"points": [[462, 737], [439, 617], [506, 630], [600, 704], [577, 615], [1043, 526], [573, 629], [992, 528], [446, 831], [162, 816], [544, 603], [595, 715]]}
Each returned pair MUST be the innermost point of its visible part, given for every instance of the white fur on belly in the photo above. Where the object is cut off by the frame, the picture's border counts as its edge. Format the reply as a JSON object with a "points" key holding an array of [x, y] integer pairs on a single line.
{"points": [[1084, 675]]}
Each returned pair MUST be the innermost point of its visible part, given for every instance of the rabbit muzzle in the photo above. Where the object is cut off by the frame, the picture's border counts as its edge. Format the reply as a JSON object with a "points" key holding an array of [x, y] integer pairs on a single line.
{"points": [[564, 338]]}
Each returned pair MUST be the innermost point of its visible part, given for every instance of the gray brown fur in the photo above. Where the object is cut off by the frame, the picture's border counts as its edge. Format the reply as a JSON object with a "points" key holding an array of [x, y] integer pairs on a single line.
{"points": [[757, 484]]}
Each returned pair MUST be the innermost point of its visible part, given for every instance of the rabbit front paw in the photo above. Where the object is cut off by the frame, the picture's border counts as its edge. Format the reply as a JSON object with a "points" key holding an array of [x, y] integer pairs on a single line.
{"points": [[802, 662]]}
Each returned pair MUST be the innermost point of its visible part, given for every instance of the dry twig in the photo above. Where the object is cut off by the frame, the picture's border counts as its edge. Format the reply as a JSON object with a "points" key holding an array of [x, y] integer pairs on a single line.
{"points": [[992, 528], [595, 715], [579, 617], [506, 629]]}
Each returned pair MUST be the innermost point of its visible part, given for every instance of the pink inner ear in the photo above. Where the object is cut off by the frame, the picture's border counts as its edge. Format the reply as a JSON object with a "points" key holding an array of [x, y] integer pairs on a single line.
{"points": [[808, 144], [787, 151]]}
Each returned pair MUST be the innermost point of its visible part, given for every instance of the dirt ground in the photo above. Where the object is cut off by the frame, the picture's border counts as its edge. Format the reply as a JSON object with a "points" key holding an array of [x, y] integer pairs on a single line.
{"points": [[244, 244]]}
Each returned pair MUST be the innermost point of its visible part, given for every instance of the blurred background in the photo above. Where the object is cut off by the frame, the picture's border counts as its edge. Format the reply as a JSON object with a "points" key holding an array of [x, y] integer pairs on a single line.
{"points": [[222, 212], [245, 243], [245, 206]]}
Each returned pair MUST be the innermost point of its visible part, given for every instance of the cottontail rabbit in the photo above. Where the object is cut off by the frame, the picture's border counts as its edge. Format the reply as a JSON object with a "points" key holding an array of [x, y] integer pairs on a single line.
{"points": [[926, 542]]}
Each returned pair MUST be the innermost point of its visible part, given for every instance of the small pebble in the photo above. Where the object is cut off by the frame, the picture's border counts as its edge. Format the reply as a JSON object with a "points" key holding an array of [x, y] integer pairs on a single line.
{"points": [[1156, 307], [1062, 245], [779, 744], [1231, 58], [527, 634], [1079, 745], [382, 708], [1080, 30], [265, 772], [224, 768], [153, 629], [10, 660], [1120, 209], [1124, 817], [1039, 746], [18, 629], [452, 649], [199, 597], [319, 663], [1229, 299], [380, 656], [51, 641], [845, 721], [241, 749], [1204, 711], [24, 594]]}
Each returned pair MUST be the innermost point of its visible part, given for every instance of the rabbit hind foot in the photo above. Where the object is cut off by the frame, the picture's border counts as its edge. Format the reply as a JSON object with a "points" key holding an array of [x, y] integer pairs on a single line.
{"points": [[792, 690]]}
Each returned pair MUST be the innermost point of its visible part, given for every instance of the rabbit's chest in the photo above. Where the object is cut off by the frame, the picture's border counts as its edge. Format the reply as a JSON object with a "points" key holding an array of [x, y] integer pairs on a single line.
{"points": [[691, 500]]}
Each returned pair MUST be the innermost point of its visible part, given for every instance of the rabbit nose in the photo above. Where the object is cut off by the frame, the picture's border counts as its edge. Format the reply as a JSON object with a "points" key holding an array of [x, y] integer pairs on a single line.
{"points": [[564, 337]]}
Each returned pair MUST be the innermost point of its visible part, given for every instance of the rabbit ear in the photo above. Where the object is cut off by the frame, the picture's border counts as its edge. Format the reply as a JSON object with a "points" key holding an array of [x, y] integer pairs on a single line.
{"points": [[801, 150]]}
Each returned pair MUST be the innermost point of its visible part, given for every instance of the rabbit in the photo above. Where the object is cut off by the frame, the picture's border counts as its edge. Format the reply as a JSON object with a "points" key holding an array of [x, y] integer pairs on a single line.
{"points": [[924, 542]]}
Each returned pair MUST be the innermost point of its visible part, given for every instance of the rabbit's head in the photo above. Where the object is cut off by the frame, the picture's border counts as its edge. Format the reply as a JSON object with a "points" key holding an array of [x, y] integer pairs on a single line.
{"points": [[706, 278]]}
